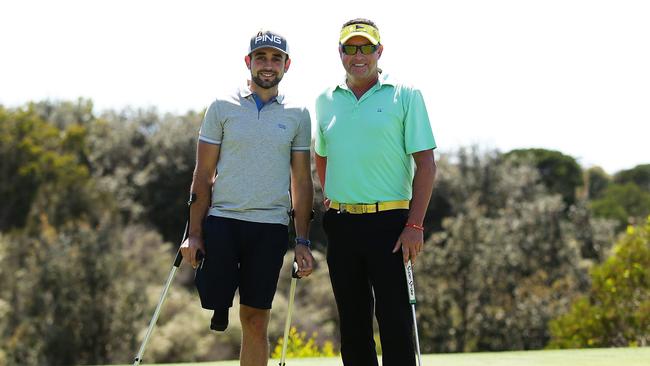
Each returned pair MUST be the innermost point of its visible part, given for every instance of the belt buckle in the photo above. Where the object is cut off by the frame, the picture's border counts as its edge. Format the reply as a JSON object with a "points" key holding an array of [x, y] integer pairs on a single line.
{"points": [[342, 208]]}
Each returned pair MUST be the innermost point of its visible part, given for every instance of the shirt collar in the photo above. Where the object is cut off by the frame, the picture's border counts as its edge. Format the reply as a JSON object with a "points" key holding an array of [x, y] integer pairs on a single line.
{"points": [[384, 79], [245, 92]]}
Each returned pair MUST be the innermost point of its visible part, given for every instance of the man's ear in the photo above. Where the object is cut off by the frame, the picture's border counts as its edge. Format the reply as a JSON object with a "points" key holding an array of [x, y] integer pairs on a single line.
{"points": [[287, 63], [247, 59], [380, 49]]}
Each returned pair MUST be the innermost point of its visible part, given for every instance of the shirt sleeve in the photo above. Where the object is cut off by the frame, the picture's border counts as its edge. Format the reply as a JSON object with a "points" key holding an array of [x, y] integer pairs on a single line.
{"points": [[302, 140], [211, 128], [417, 127], [320, 145]]}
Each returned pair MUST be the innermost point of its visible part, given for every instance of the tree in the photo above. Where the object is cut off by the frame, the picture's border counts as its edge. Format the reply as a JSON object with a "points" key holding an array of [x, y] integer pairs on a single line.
{"points": [[146, 162], [62, 114], [507, 260], [639, 175], [76, 294], [594, 234], [84, 295], [35, 157], [163, 184], [625, 203], [560, 173], [597, 181], [616, 313]]}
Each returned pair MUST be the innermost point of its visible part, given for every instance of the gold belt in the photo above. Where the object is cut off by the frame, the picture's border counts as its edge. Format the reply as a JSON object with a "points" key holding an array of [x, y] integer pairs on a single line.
{"points": [[362, 208]]}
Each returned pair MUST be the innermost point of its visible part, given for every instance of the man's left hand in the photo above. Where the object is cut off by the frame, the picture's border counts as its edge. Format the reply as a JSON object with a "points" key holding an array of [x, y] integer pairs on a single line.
{"points": [[411, 241], [305, 260]]}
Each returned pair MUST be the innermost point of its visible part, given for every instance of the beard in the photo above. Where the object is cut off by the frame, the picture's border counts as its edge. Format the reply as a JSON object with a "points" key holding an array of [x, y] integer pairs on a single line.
{"points": [[265, 84]]}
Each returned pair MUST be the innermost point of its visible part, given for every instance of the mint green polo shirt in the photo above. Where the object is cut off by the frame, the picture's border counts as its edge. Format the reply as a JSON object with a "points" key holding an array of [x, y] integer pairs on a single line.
{"points": [[368, 142]]}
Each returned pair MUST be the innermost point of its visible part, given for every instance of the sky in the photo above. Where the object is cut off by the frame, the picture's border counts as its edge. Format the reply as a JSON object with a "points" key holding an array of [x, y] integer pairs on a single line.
{"points": [[567, 75]]}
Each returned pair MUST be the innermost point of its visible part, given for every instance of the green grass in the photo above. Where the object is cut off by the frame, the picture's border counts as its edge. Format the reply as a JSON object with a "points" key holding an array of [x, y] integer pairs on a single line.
{"points": [[584, 357]]}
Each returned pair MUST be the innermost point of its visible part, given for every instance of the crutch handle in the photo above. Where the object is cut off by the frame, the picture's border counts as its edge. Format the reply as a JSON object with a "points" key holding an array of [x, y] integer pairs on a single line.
{"points": [[179, 257], [294, 271]]}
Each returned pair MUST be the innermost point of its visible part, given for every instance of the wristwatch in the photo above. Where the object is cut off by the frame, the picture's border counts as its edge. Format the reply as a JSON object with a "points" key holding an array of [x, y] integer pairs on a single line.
{"points": [[305, 242]]}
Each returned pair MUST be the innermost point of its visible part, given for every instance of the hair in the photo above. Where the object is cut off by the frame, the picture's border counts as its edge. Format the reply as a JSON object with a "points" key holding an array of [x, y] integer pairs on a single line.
{"points": [[360, 21]]}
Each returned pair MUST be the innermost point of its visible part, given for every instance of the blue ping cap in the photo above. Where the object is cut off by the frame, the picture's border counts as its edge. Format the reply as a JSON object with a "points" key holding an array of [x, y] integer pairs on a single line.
{"points": [[268, 39]]}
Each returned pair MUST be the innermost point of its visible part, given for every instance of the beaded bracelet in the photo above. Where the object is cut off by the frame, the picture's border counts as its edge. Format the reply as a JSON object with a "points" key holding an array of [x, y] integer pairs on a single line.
{"points": [[414, 226]]}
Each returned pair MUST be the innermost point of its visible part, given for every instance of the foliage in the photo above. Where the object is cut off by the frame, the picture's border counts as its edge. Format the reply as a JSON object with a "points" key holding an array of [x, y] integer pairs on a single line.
{"points": [[143, 160], [146, 161], [560, 173], [36, 158], [626, 203], [63, 114], [314, 308], [508, 260], [163, 184], [84, 296], [597, 181], [616, 313], [182, 332], [86, 199], [595, 235], [298, 346], [639, 175], [75, 295]]}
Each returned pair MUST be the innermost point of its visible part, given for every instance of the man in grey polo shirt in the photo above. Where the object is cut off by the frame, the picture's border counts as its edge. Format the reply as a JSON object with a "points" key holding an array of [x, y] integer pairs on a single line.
{"points": [[253, 149]]}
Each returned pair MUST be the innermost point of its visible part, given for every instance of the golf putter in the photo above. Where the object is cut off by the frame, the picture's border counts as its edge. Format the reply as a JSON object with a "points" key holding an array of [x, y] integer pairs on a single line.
{"points": [[287, 324], [411, 289]]}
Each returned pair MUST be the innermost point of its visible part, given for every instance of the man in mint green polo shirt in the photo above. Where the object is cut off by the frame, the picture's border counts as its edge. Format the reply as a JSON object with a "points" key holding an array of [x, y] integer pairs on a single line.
{"points": [[374, 157]]}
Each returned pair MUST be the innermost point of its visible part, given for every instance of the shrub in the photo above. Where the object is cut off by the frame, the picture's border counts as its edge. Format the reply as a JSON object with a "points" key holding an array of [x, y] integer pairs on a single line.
{"points": [[298, 346], [615, 314]]}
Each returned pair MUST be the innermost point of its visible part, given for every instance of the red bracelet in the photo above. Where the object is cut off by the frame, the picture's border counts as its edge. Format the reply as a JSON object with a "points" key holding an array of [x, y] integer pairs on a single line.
{"points": [[414, 226]]}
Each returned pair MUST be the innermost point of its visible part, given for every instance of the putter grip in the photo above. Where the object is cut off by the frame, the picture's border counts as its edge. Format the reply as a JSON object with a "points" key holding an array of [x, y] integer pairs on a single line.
{"points": [[410, 282]]}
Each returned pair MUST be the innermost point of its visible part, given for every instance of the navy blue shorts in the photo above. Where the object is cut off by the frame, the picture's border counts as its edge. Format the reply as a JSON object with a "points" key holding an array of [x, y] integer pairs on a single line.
{"points": [[240, 254]]}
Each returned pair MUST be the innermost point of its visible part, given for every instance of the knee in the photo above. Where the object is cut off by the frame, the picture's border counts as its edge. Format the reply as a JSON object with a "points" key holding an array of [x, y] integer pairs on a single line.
{"points": [[254, 321]]}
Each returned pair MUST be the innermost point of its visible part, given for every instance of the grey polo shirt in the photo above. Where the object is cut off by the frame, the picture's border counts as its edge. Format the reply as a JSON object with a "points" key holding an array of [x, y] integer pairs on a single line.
{"points": [[253, 170]]}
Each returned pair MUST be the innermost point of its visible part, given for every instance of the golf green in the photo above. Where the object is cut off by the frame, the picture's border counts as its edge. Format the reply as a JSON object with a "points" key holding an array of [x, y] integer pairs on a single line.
{"points": [[582, 357]]}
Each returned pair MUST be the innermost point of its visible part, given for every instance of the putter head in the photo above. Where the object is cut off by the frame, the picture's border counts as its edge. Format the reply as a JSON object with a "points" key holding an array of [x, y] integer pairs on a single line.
{"points": [[219, 321]]}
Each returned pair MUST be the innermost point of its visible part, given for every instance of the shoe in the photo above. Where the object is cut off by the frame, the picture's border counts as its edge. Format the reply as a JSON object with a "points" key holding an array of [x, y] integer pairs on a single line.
{"points": [[219, 321]]}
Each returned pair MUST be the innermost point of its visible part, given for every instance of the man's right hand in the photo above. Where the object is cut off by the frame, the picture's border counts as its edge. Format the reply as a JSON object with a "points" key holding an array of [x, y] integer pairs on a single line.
{"points": [[190, 246], [304, 259]]}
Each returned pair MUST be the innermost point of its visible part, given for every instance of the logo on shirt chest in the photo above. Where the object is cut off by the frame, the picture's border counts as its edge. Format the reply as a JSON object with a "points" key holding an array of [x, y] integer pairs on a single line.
{"points": [[282, 126]]}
